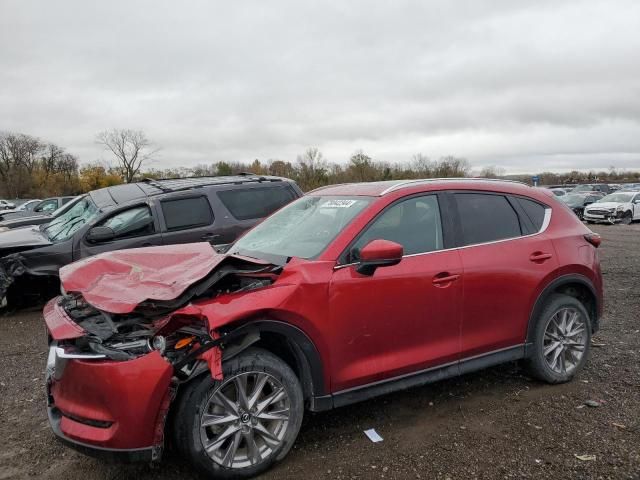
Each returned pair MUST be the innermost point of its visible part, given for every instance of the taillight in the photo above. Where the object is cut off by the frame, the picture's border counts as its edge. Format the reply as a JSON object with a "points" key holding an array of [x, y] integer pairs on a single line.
{"points": [[594, 239]]}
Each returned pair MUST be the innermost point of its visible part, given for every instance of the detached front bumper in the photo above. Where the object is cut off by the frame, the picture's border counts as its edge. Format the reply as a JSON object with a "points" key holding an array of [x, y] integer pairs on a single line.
{"points": [[105, 407]]}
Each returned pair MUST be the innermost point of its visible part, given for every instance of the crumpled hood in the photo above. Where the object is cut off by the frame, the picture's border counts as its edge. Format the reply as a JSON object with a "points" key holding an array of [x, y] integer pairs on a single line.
{"points": [[118, 281], [23, 237]]}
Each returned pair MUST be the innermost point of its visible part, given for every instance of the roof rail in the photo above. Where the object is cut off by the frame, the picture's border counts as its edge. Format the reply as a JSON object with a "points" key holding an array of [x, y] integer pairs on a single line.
{"points": [[153, 182], [186, 183], [407, 183]]}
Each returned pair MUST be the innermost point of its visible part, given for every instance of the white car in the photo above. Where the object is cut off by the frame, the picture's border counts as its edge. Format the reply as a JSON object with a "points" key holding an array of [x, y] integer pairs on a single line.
{"points": [[27, 206], [4, 205], [622, 207]]}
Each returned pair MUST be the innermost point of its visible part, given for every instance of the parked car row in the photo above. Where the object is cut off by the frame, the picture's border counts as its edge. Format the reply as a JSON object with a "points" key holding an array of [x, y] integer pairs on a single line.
{"points": [[350, 292], [606, 188], [25, 213], [591, 203], [212, 209]]}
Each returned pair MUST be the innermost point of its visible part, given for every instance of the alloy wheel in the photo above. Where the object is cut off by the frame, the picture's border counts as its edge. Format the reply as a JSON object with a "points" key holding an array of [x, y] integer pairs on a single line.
{"points": [[565, 339], [245, 420]]}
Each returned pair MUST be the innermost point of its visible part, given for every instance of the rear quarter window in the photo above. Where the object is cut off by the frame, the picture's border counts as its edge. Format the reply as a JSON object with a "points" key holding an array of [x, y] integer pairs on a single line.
{"points": [[252, 203], [533, 210]]}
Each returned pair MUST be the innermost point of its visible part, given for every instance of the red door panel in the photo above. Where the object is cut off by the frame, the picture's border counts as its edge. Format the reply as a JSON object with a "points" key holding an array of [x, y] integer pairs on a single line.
{"points": [[397, 320], [500, 282]]}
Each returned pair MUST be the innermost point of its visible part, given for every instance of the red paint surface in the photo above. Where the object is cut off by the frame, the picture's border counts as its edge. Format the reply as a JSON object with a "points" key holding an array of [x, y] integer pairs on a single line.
{"points": [[129, 394], [60, 326]]}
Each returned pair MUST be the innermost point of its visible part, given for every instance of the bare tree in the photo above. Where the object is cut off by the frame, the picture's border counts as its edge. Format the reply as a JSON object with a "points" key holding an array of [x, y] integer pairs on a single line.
{"points": [[130, 147], [313, 169], [492, 171]]}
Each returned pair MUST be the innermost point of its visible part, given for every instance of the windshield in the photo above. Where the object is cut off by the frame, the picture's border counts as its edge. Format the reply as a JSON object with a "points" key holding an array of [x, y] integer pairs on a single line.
{"points": [[619, 197], [302, 229], [64, 226]]}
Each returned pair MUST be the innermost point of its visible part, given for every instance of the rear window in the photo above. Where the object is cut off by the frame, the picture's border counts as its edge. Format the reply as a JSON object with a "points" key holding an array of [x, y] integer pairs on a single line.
{"points": [[250, 203], [486, 218], [186, 213], [535, 212]]}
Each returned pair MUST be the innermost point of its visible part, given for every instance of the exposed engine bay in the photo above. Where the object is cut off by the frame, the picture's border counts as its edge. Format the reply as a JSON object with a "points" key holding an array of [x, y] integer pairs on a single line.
{"points": [[182, 339]]}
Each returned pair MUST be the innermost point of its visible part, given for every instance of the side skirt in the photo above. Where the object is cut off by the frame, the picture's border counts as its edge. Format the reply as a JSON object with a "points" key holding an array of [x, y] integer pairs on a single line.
{"points": [[415, 379]]}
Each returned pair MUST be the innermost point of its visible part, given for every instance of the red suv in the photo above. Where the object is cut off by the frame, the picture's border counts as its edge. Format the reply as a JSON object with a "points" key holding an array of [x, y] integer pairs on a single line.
{"points": [[351, 291]]}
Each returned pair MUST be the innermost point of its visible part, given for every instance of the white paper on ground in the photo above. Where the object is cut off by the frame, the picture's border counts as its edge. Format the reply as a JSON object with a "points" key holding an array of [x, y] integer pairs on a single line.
{"points": [[373, 435]]}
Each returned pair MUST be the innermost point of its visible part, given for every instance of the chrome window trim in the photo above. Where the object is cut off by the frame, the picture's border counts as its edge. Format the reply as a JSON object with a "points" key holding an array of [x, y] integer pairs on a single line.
{"points": [[545, 224]]}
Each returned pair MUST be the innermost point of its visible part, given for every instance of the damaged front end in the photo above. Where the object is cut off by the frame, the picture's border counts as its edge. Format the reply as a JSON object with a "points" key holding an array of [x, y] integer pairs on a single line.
{"points": [[132, 357]]}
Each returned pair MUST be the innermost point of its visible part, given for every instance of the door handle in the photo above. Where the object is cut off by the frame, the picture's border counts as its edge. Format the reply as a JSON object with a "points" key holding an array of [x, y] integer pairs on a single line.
{"points": [[210, 236], [539, 257], [445, 278]]}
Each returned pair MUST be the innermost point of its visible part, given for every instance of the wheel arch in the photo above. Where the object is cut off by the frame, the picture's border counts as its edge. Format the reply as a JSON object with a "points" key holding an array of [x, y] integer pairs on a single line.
{"points": [[296, 349], [575, 285]]}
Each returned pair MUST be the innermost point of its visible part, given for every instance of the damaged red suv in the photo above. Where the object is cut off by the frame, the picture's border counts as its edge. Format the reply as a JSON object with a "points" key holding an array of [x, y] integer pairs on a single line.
{"points": [[349, 292]]}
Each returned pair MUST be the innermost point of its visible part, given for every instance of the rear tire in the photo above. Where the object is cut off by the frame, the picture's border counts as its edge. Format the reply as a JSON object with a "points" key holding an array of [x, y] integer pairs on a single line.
{"points": [[561, 340], [229, 429]]}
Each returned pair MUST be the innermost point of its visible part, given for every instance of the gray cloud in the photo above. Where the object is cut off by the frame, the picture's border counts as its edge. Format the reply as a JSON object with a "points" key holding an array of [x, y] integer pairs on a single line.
{"points": [[527, 86]]}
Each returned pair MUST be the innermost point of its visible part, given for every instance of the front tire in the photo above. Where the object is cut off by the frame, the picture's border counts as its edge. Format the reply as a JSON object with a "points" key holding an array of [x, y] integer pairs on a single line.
{"points": [[240, 426], [561, 341], [627, 218]]}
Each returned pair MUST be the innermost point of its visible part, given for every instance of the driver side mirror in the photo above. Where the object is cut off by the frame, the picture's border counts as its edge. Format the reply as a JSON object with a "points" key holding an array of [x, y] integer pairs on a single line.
{"points": [[379, 253], [100, 234]]}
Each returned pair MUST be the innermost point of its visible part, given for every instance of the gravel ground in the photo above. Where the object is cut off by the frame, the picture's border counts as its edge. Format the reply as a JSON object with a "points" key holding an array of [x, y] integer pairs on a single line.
{"points": [[493, 424]]}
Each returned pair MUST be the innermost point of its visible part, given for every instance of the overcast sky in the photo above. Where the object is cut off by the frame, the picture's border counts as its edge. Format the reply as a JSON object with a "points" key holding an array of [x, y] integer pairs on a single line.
{"points": [[528, 86]]}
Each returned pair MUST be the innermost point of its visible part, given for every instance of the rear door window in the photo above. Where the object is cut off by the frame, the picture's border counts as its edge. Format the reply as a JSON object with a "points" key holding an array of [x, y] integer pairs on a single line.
{"points": [[183, 213], [251, 203], [486, 218]]}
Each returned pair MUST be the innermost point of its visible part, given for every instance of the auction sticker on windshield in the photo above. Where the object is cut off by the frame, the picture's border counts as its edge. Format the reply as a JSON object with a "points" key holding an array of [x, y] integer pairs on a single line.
{"points": [[337, 203]]}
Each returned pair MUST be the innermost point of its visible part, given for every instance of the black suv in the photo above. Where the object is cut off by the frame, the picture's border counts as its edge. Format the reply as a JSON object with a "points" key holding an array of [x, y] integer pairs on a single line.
{"points": [[143, 214]]}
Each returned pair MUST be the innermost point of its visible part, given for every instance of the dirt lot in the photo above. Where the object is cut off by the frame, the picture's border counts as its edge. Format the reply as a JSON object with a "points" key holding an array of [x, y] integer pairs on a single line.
{"points": [[493, 424]]}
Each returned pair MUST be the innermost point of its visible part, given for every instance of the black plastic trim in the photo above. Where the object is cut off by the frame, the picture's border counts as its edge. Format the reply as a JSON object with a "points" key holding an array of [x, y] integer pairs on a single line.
{"points": [[423, 377], [148, 454], [305, 350]]}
